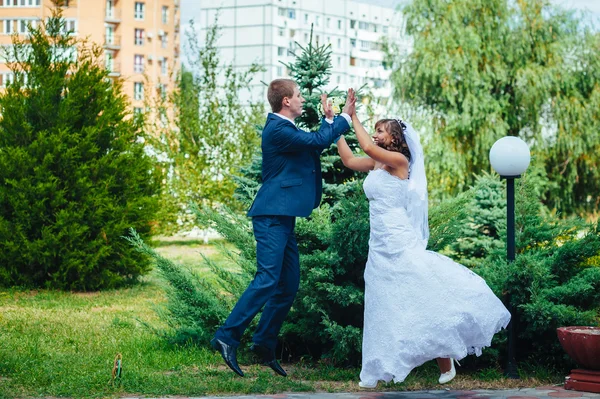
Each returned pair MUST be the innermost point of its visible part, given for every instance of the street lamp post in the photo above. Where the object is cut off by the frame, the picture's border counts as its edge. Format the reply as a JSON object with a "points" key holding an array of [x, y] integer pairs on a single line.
{"points": [[510, 157]]}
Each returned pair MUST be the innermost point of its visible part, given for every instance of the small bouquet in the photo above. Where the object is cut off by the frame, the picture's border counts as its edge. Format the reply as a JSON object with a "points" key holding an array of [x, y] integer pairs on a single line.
{"points": [[337, 103]]}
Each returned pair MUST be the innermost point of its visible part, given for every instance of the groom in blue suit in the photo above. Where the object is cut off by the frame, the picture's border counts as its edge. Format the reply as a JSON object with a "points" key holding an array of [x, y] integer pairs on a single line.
{"points": [[292, 186]]}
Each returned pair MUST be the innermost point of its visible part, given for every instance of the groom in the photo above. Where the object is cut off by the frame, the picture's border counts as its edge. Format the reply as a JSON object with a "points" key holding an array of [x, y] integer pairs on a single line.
{"points": [[292, 186]]}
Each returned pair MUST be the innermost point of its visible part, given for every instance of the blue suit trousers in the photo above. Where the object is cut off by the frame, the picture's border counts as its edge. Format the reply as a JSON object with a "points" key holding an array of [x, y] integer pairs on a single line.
{"points": [[274, 286]]}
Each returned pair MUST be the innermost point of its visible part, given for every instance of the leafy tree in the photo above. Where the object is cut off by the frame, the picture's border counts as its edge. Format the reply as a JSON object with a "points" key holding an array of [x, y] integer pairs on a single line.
{"points": [[213, 132], [486, 69], [73, 174]]}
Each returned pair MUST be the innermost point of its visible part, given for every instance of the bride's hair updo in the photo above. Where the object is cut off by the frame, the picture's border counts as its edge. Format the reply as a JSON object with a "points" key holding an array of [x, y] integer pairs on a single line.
{"points": [[395, 128]]}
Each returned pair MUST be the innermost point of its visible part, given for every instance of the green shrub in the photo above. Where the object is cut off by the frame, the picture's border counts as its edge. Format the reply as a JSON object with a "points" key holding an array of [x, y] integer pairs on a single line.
{"points": [[553, 281]]}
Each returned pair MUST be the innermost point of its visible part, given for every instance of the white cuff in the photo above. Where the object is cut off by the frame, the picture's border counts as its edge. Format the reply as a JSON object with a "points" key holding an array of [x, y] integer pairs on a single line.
{"points": [[330, 121], [347, 118]]}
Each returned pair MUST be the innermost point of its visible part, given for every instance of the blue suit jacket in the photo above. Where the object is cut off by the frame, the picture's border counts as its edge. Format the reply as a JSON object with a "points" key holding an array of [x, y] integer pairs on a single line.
{"points": [[291, 167]]}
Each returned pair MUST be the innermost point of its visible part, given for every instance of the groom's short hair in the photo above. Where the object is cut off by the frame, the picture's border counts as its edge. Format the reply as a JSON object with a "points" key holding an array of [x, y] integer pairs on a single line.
{"points": [[278, 89]]}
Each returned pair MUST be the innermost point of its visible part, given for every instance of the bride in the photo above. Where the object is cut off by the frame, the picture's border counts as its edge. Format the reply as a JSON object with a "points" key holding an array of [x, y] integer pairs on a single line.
{"points": [[419, 305]]}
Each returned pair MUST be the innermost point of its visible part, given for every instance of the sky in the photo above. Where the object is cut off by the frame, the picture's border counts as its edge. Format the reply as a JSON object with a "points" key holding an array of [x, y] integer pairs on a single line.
{"points": [[189, 7]]}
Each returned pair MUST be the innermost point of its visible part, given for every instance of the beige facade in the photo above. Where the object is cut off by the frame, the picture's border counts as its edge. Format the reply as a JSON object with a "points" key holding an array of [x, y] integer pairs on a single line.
{"points": [[140, 37]]}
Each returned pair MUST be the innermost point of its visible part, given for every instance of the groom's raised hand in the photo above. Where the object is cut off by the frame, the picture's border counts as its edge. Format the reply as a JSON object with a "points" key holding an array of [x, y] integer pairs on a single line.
{"points": [[350, 106], [327, 107]]}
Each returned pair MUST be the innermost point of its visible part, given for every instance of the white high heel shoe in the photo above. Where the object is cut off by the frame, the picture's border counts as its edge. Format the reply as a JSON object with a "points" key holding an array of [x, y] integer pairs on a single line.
{"points": [[449, 375], [367, 386]]}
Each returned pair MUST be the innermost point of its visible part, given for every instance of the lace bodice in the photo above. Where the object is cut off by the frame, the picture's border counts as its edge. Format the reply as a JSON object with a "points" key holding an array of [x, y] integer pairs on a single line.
{"points": [[385, 189]]}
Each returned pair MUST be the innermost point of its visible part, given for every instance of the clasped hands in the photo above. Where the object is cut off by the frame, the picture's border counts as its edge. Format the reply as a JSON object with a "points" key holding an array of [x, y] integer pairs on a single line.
{"points": [[349, 107]]}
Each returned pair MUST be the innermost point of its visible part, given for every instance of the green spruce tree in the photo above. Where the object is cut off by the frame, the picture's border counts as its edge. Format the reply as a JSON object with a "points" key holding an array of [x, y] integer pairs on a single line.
{"points": [[73, 173]]}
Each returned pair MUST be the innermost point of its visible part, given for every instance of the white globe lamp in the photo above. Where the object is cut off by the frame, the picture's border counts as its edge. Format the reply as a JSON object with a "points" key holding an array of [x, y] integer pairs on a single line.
{"points": [[510, 156]]}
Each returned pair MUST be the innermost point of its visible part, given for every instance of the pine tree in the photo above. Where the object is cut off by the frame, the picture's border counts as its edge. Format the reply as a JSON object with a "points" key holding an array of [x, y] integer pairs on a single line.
{"points": [[311, 69], [73, 173], [485, 227]]}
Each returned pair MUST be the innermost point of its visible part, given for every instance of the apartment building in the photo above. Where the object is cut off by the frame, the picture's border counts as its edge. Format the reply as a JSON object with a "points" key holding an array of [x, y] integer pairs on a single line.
{"points": [[140, 38], [269, 31]]}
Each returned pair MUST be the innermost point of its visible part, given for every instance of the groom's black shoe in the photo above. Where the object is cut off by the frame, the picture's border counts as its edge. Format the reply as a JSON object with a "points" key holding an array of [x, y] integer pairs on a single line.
{"points": [[268, 357], [229, 355]]}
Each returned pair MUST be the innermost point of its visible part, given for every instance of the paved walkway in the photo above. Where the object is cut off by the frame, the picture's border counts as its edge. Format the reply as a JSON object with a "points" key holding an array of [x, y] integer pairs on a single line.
{"points": [[523, 393]]}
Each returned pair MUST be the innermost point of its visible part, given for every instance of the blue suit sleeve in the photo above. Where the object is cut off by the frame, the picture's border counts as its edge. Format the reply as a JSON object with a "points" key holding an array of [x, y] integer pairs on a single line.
{"points": [[289, 139]]}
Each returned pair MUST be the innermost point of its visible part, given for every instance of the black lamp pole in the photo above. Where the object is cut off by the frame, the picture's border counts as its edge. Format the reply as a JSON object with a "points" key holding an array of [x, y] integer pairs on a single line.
{"points": [[511, 366]]}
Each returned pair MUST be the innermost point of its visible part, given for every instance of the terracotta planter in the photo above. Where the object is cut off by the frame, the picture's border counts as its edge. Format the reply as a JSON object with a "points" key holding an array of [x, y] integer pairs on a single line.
{"points": [[582, 344]]}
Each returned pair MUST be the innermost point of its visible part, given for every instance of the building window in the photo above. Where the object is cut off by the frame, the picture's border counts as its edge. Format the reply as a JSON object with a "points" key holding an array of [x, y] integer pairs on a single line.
{"points": [[6, 79], [306, 37], [279, 71], [352, 61], [109, 62], [339, 43], [23, 26], [291, 13], [281, 11], [353, 43], [165, 14], [352, 24], [139, 37], [164, 40], [339, 63], [317, 20], [20, 3], [365, 45], [8, 26], [138, 63], [110, 9], [70, 27], [292, 32], [164, 67], [305, 18], [384, 29], [328, 24], [281, 51], [140, 9], [138, 111], [339, 79], [138, 91], [339, 24], [110, 35], [162, 90], [281, 32]]}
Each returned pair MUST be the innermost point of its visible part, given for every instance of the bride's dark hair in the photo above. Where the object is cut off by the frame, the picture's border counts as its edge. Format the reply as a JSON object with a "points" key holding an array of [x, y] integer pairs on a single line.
{"points": [[396, 129]]}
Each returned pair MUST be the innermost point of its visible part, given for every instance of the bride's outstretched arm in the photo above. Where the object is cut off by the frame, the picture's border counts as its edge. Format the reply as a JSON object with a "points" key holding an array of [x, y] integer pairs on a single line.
{"points": [[390, 158], [359, 164]]}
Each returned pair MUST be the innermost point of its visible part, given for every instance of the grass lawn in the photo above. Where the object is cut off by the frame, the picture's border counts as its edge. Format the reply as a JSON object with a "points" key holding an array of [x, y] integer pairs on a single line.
{"points": [[63, 344]]}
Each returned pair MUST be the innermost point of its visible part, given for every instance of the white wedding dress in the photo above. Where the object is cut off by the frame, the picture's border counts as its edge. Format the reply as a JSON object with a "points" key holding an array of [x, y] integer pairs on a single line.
{"points": [[419, 305]]}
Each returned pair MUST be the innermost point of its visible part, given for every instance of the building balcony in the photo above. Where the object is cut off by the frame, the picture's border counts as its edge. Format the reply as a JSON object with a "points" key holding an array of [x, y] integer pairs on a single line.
{"points": [[114, 69], [112, 15], [112, 42]]}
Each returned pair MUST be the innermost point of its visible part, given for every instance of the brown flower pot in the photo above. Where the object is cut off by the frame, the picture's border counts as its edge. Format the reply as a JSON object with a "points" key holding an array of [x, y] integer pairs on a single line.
{"points": [[582, 344]]}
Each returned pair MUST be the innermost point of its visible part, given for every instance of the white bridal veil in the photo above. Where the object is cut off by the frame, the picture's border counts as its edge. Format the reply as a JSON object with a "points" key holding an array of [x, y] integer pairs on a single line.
{"points": [[417, 183]]}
